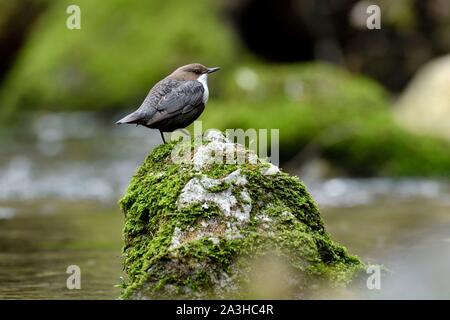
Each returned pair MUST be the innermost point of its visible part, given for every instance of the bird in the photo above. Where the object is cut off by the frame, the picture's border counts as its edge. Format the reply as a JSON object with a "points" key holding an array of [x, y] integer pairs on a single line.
{"points": [[174, 102]]}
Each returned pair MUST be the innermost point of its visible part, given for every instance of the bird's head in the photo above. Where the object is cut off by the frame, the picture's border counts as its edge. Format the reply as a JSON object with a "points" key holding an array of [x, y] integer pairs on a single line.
{"points": [[191, 72]]}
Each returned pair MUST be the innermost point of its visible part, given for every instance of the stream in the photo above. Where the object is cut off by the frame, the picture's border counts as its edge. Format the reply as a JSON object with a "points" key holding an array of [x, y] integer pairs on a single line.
{"points": [[59, 187]]}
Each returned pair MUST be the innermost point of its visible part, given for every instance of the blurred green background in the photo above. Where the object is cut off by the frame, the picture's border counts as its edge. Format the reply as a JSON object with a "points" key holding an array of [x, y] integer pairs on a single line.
{"points": [[364, 118]]}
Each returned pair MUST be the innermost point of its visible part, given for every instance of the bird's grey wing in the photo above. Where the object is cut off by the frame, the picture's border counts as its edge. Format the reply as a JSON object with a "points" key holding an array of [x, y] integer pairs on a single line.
{"points": [[148, 108], [180, 99]]}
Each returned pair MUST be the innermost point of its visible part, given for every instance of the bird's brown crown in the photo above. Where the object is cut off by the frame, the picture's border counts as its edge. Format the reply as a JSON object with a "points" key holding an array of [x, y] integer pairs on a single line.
{"points": [[191, 72]]}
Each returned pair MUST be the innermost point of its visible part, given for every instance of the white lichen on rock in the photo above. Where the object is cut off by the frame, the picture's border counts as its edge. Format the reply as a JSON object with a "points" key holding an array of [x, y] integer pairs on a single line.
{"points": [[270, 170], [198, 191], [214, 136], [216, 148]]}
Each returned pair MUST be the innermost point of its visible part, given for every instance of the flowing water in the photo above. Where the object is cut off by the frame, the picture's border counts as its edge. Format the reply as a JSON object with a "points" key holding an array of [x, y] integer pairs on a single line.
{"points": [[59, 187]]}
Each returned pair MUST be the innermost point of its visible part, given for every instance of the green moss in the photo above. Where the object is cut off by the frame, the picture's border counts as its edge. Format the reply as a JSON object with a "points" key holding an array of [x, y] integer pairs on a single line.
{"points": [[283, 220], [218, 171], [322, 111], [121, 49], [222, 186]]}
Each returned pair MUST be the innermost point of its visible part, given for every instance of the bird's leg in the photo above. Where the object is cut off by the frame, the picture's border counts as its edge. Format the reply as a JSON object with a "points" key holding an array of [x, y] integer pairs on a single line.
{"points": [[162, 136]]}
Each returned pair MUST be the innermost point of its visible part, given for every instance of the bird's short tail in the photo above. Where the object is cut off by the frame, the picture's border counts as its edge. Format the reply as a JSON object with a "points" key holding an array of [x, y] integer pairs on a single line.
{"points": [[131, 118]]}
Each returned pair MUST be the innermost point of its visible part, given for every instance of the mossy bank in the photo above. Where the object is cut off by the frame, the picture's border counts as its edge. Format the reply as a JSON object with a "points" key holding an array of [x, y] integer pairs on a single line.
{"points": [[324, 112], [199, 228]]}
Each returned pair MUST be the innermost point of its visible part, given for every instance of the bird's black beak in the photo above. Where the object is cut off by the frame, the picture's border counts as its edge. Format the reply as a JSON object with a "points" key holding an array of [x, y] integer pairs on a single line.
{"points": [[211, 70]]}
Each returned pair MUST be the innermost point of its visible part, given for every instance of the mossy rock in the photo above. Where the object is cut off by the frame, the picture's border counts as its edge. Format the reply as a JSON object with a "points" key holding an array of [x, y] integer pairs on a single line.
{"points": [[323, 111], [301, 100], [200, 228], [319, 84]]}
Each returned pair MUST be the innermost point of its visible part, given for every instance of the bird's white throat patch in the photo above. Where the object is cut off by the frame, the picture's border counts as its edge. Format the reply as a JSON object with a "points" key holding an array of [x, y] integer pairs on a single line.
{"points": [[203, 79]]}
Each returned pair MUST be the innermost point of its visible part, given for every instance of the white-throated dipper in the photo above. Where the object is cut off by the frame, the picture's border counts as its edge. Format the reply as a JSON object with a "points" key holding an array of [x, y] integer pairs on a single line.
{"points": [[174, 102]]}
